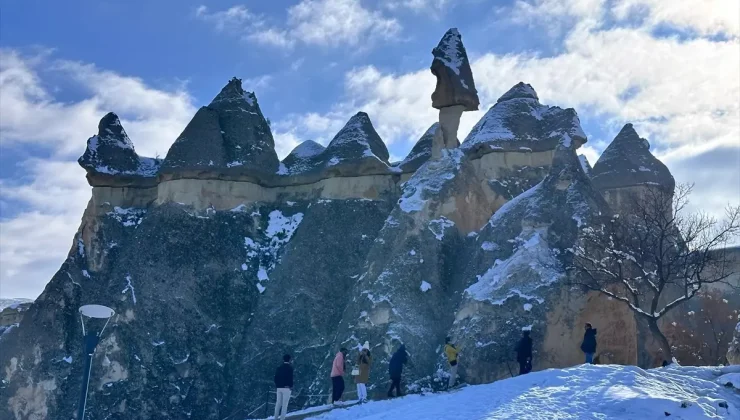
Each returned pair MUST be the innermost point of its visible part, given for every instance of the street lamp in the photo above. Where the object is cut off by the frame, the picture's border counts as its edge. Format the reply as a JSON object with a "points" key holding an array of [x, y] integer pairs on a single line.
{"points": [[90, 341]]}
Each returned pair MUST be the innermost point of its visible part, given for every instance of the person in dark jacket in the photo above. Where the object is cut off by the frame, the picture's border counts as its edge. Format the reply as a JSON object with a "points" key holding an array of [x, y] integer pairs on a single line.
{"points": [[283, 385], [395, 368], [589, 343], [524, 353]]}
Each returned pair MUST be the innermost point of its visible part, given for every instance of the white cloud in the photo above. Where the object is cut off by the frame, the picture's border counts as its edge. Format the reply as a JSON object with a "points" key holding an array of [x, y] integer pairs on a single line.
{"points": [[431, 7], [326, 23], [681, 94], [42, 209], [708, 17]]}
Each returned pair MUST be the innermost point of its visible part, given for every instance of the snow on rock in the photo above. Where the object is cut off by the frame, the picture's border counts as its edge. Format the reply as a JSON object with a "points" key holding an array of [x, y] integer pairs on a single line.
{"points": [[357, 139], [733, 352], [229, 135], [278, 232], [584, 392], [421, 152], [128, 216], [429, 180], [627, 161], [455, 85], [518, 122], [303, 158], [111, 152], [585, 165], [425, 286], [438, 226]]}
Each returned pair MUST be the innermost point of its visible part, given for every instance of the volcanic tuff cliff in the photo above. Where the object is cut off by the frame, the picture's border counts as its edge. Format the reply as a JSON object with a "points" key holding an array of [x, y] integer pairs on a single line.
{"points": [[221, 258]]}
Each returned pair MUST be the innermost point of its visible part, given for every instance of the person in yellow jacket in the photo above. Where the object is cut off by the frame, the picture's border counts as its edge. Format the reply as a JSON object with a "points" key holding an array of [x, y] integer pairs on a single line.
{"points": [[451, 351]]}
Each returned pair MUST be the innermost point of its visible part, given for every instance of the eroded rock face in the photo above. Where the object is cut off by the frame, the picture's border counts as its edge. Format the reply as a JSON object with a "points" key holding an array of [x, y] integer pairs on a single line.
{"points": [[304, 158], [229, 135], [518, 122], [627, 162], [403, 293], [110, 158], [514, 277], [455, 85], [733, 353], [421, 152]]}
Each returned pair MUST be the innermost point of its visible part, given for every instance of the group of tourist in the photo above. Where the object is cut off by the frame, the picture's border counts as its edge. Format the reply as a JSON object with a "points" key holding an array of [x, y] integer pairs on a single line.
{"points": [[361, 369]]}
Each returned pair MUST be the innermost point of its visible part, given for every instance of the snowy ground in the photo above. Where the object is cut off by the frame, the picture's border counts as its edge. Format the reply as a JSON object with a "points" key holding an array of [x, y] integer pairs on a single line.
{"points": [[583, 392]]}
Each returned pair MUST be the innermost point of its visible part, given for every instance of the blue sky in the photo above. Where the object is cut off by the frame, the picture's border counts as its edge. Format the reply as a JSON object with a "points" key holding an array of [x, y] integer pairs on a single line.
{"points": [[670, 68]]}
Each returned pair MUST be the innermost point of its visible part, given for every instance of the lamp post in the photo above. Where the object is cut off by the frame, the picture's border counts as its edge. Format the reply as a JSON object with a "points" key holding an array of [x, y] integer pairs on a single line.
{"points": [[90, 341]]}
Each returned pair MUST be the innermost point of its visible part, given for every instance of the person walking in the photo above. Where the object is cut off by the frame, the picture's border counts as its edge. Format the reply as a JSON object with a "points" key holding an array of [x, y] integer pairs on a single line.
{"points": [[337, 375], [589, 343], [524, 353], [395, 368], [364, 360], [451, 352], [283, 385]]}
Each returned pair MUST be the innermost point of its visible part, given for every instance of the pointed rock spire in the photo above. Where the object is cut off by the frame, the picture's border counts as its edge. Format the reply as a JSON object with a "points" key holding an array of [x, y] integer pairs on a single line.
{"points": [[421, 152], [111, 152], [357, 140], [455, 85], [585, 164], [520, 90], [303, 158], [230, 132], [627, 162], [518, 122]]}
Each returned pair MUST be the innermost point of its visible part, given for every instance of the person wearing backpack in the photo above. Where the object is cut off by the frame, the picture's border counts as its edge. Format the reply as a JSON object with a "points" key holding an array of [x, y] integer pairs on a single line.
{"points": [[283, 385], [451, 352], [364, 360]]}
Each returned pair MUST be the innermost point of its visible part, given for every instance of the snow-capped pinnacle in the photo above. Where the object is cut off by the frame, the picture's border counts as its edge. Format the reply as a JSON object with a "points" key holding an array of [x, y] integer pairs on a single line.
{"points": [[233, 92], [627, 161], [111, 152], [455, 85], [421, 151], [307, 149], [110, 129], [518, 122], [230, 133], [358, 139], [520, 90]]}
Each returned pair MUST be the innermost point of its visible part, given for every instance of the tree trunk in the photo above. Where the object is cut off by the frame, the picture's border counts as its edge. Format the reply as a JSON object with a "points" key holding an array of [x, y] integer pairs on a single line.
{"points": [[665, 346]]}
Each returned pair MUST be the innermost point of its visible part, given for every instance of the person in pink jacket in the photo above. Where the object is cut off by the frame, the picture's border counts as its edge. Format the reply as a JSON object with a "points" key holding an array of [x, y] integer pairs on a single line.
{"points": [[337, 375]]}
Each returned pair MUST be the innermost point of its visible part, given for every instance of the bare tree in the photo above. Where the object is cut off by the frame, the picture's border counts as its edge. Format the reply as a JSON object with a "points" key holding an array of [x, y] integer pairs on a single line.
{"points": [[701, 336], [656, 256]]}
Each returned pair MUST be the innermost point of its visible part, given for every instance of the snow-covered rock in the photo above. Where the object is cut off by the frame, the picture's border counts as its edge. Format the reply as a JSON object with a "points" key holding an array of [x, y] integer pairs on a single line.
{"points": [[421, 152], [229, 135], [519, 123], [455, 85], [304, 158], [110, 156], [527, 265], [733, 353], [627, 162]]}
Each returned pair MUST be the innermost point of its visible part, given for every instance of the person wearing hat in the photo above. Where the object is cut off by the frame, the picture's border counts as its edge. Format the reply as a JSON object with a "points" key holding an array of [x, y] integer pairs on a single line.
{"points": [[364, 360], [451, 352]]}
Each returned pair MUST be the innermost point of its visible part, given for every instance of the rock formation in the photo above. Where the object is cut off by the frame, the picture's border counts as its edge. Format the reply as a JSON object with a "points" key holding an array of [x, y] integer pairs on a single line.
{"points": [[229, 135], [626, 167], [421, 152], [733, 353], [110, 158], [455, 91], [226, 258]]}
